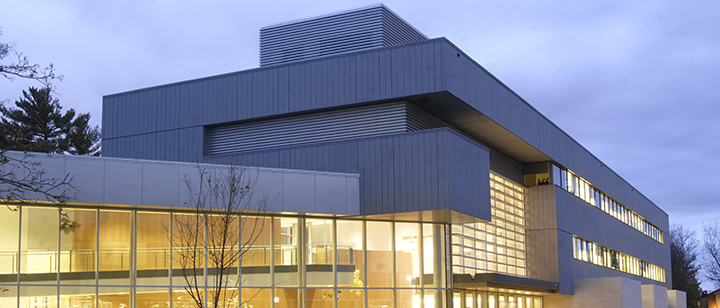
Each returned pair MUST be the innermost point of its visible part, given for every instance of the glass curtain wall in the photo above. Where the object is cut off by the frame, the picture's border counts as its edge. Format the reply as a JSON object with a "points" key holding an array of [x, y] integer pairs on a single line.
{"points": [[498, 246], [83, 257]]}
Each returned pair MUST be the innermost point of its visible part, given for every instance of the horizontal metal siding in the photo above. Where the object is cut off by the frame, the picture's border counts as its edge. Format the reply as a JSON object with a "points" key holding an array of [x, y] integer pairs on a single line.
{"points": [[397, 32], [309, 128], [506, 166], [418, 119], [357, 30], [361, 29]]}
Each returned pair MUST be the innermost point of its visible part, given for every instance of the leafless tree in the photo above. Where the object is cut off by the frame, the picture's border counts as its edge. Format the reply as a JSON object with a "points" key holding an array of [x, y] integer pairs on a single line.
{"points": [[209, 242], [711, 251], [684, 263], [22, 68], [22, 179]]}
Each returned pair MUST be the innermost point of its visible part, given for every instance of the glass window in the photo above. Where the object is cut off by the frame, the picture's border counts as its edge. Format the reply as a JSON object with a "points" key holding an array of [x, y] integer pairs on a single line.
{"points": [[481, 300], [153, 248], [256, 236], [434, 298], [433, 243], [350, 268], [9, 297], [319, 241], [78, 297], [319, 252], [9, 228], [408, 298], [78, 247], [113, 297], [322, 298], [288, 241], [223, 250], [379, 254], [407, 256], [225, 298], [181, 298], [289, 298], [470, 300], [152, 298], [188, 249], [114, 245], [380, 298], [256, 298], [39, 248], [39, 296]]}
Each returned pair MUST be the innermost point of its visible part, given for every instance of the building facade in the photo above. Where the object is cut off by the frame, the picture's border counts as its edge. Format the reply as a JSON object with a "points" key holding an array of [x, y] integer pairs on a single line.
{"points": [[433, 185]]}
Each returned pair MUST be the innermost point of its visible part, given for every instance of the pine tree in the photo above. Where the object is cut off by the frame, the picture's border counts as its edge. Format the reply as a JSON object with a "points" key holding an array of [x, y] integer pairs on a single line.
{"points": [[38, 124], [82, 138]]}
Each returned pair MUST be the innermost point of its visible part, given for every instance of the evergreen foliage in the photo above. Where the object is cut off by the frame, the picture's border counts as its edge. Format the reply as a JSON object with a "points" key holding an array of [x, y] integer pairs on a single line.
{"points": [[38, 124]]}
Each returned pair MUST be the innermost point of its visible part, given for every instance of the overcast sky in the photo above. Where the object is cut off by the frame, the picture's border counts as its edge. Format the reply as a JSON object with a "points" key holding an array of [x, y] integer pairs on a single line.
{"points": [[636, 82]]}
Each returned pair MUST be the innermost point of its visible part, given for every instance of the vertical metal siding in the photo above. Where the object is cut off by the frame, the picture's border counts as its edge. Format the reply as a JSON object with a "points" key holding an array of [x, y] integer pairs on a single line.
{"points": [[429, 67], [425, 170]]}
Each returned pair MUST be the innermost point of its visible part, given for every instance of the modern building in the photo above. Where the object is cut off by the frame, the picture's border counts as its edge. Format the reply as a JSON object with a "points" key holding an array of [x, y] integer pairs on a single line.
{"points": [[402, 174]]}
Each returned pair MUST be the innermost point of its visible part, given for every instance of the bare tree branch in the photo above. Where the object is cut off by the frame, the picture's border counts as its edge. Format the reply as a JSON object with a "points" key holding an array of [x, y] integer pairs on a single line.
{"points": [[685, 265], [24, 181], [22, 67], [711, 250], [224, 223]]}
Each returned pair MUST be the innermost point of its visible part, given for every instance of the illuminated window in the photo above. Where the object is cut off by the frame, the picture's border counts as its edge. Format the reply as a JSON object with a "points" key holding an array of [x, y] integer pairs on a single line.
{"points": [[593, 253], [497, 246], [588, 193]]}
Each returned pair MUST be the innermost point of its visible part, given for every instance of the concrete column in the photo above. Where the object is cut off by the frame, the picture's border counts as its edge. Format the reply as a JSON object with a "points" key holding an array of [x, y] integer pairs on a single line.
{"points": [[600, 292], [676, 299], [654, 296]]}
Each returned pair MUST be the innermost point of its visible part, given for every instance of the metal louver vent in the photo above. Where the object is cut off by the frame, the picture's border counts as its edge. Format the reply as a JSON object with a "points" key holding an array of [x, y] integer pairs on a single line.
{"points": [[319, 127], [370, 27], [506, 166]]}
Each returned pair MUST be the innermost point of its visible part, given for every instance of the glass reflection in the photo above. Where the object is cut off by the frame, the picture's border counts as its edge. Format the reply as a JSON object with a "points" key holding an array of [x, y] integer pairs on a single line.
{"points": [[118, 297], [78, 247], [379, 254], [78, 297], [152, 298], [9, 226], [407, 256], [39, 245], [114, 245]]}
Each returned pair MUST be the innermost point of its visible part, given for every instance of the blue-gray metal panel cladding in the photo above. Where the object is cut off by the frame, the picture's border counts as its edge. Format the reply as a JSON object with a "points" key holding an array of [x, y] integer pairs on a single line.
{"points": [[347, 123], [425, 170], [384, 74], [471, 83], [577, 217], [473, 165], [366, 28]]}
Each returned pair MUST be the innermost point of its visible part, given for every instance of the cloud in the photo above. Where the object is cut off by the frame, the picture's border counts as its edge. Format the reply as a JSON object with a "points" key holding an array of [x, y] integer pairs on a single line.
{"points": [[634, 82]]}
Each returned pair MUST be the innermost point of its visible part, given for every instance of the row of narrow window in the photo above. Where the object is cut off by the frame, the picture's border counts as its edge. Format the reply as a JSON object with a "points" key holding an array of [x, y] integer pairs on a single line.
{"points": [[588, 193], [593, 253]]}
